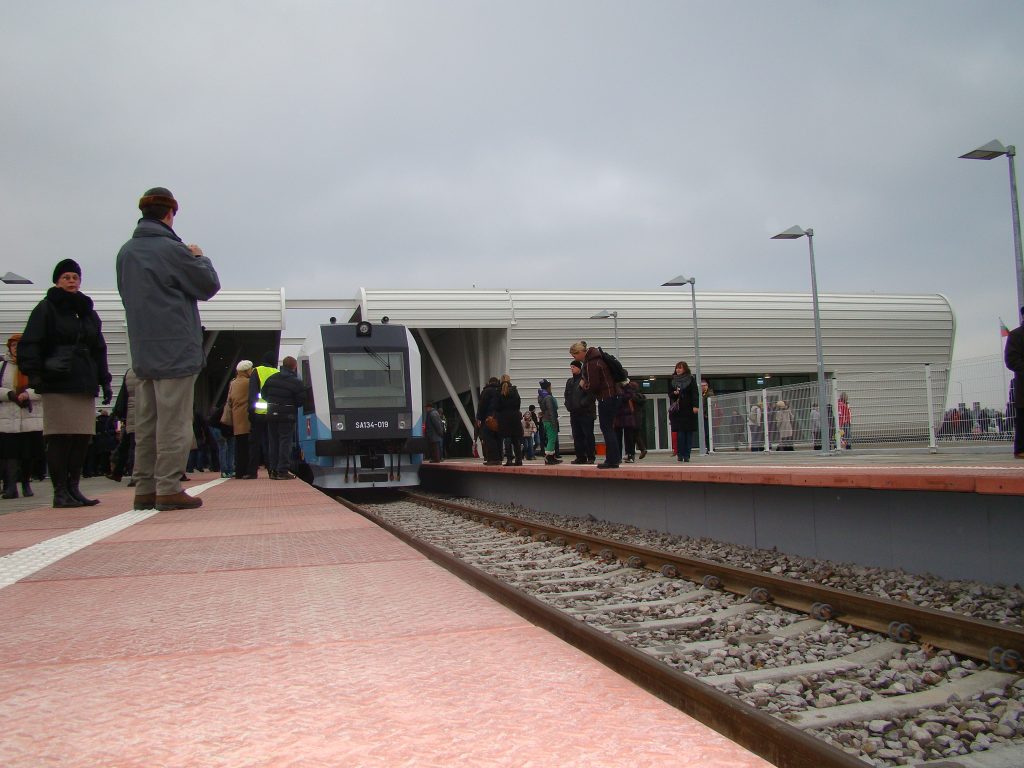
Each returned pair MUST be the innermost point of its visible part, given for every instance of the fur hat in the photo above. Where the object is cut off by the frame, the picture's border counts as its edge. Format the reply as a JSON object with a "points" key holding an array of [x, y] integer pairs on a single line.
{"points": [[244, 365], [158, 196], [544, 384], [64, 266]]}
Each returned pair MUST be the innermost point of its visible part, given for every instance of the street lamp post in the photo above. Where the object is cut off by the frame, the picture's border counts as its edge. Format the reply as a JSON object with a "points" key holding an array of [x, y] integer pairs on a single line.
{"points": [[991, 151], [792, 234], [692, 282], [604, 314]]}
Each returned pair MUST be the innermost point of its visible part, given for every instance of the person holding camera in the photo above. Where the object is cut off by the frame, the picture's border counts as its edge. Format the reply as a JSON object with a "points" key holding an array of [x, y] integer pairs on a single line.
{"points": [[161, 281], [64, 355]]}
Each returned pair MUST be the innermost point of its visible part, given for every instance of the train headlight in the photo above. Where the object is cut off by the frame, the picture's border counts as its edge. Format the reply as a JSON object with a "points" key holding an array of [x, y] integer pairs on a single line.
{"points": [[364, 329]]}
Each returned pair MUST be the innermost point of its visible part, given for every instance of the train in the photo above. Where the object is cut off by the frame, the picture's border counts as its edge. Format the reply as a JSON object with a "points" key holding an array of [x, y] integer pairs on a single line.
{"points": [[361, 425]]}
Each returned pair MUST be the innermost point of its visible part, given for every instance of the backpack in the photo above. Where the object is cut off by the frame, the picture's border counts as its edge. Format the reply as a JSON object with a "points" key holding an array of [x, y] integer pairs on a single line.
{"points": [[619, 374]]}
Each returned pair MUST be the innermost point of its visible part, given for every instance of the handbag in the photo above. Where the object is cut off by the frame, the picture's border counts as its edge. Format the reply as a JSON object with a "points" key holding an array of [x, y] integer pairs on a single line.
{"points": [[491, 422], [227, 417], [58, 365]]}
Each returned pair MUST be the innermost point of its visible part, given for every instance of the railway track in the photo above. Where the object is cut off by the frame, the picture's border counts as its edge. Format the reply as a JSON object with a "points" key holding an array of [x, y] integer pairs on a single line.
{"points": [[801, 674]]}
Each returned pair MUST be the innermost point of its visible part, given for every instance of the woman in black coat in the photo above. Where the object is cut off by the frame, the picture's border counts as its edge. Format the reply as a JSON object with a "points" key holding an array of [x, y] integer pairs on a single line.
{"points": [[64, 355], [510, 421], [685, 400]]}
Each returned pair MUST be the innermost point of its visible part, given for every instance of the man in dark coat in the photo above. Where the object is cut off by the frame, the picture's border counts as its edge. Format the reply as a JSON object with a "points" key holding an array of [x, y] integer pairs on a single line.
{"points": [[582, 415], [284, 394], [488, 406], [1014, 357], [435, 432]]}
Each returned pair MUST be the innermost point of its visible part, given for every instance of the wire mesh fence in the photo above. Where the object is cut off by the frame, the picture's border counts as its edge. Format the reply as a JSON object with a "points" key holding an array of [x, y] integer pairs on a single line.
{"points": [[907, 406]]}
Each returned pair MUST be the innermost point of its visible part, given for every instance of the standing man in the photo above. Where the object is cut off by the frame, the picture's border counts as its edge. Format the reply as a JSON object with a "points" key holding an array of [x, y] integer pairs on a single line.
{"points": [[1014, 356], [259, 448], [598, 380], [582, 415], [435, 433], [161, 280], [284, 394]]}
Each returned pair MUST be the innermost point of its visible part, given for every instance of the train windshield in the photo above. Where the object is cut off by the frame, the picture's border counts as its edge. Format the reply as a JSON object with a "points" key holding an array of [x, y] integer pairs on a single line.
{"points": [[368, 379]]}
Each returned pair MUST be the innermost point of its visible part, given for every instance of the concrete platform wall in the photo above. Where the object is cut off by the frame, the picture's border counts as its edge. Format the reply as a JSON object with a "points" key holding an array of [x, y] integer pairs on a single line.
{"points": [[953, 535]]}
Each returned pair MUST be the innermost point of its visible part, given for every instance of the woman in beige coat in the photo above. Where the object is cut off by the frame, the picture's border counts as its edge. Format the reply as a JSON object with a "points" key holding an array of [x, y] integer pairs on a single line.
{"points": [[238, 405]]}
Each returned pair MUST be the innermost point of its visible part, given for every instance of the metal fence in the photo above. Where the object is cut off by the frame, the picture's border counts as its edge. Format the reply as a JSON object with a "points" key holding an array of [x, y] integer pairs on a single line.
{"points": [[906, 406]]}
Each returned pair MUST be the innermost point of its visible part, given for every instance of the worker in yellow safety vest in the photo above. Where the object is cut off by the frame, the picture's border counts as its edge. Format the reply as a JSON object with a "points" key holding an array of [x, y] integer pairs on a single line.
{"points": [[258, 414]]}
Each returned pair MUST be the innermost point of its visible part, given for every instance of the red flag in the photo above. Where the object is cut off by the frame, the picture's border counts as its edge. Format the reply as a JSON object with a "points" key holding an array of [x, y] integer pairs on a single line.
{"points": [[1003, 330]]}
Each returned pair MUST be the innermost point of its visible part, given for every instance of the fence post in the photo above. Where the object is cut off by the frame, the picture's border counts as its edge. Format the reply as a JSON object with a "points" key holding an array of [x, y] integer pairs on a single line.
{"points": [[932, 448], [764, 416], [709, 403], [835, 416]]}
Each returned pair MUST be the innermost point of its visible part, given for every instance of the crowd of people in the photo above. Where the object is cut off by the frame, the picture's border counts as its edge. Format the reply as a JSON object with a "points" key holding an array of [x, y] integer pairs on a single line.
{"points": [[597, 392]]}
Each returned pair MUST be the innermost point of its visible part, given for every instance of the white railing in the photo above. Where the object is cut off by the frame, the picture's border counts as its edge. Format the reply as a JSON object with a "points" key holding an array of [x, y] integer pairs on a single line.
{"points": [[906, 406]]}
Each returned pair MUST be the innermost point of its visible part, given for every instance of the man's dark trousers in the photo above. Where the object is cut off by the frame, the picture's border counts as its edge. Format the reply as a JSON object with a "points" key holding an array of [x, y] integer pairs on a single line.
{"points": [[279, 443], [582, 424]]}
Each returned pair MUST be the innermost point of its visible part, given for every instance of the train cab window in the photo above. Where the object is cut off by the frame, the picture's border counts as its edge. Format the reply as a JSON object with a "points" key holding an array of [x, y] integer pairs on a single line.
{"points": [[309, 403], [368, 379]]}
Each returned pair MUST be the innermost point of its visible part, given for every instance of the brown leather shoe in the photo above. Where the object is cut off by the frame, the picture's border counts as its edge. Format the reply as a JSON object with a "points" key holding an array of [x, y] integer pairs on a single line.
{"points": [[145, 501], [179, 500]]}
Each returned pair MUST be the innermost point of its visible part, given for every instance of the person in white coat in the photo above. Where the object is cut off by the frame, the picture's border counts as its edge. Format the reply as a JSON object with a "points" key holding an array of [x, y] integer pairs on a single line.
{"points": [[21, 425]]}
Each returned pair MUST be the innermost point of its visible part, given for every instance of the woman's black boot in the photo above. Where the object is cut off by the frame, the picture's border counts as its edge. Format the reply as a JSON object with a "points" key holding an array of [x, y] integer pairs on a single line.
{"points": [[57, 461], [76, 459], [10, 479]]}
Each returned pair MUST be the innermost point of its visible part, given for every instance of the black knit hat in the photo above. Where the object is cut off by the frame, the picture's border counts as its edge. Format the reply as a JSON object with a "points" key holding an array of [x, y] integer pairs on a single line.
{"points": [[159, 196], [66, 265]]}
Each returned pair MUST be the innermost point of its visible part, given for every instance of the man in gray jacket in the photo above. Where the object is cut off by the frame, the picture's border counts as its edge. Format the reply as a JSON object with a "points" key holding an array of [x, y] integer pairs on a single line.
{"points": [[161, 280]]}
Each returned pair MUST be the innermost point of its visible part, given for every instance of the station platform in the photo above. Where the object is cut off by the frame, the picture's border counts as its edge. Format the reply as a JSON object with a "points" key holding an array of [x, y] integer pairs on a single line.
{"points": [[957, 513], [274, 627], [960, 470]]}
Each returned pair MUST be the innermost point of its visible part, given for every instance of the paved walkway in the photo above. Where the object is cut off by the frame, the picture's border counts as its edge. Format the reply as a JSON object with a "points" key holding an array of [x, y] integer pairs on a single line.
{"points": [[272, 627]]}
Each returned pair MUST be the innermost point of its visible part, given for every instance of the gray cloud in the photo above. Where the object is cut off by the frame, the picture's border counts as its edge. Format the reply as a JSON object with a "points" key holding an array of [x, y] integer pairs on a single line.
{"points": [[327, 145]]}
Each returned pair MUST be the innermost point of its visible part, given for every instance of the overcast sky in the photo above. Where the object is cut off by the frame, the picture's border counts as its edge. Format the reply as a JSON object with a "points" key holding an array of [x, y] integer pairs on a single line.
{"points": [[329, 145]]}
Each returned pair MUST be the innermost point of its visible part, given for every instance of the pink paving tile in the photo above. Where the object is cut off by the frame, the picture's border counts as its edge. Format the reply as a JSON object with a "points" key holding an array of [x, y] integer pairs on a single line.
{"points": [[17, 539], [227, 553], [47, 518], [511, 698], [238, 522], [61, 621]]}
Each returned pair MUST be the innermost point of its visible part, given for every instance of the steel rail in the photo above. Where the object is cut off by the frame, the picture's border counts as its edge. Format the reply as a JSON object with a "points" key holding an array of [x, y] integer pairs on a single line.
{"points": [[769, 738], [976, 638]]}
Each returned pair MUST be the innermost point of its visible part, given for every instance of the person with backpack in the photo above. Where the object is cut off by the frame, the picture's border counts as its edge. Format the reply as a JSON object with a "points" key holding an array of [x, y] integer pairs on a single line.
{"points": [[599, 380], [582, 415], [549, 421]]}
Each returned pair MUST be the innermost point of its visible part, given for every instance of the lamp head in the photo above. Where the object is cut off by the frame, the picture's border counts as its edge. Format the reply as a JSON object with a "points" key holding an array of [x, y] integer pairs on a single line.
{"points": [[989, 151], [604, 314], [681, 280], [793, 233]]}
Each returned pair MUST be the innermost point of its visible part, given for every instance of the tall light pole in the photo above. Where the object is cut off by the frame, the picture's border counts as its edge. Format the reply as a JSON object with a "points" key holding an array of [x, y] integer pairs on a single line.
{"points": [[991, 151], [792, 234], [692, 282], [604, 314]]}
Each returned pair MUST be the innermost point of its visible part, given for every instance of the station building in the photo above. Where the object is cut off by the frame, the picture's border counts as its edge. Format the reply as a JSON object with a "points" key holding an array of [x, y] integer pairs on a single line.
{"points": [[746, 340]]}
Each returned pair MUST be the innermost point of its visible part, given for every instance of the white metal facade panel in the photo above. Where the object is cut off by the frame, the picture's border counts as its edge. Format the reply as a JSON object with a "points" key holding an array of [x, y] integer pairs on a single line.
{"points": [[740, 333], [227, 311]]}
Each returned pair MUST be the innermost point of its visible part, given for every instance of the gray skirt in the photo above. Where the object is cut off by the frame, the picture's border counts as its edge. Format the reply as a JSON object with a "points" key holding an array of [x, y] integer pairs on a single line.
{"points": [[69, 414]]}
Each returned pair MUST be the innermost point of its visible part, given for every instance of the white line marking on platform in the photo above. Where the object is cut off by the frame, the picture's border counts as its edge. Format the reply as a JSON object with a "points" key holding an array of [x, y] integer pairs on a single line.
{"points": [[18, 565], [23, 563]]}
